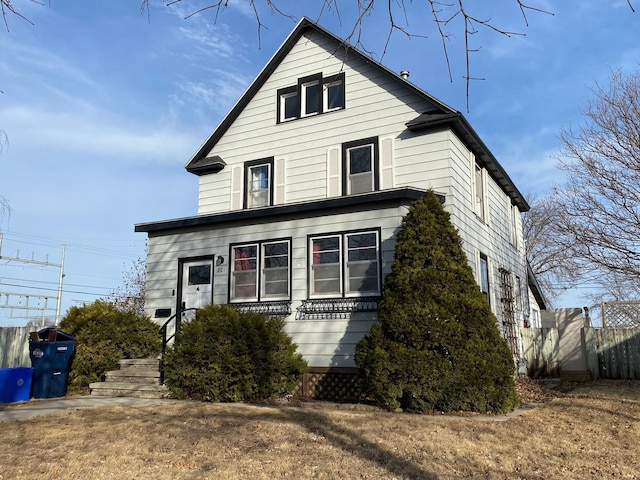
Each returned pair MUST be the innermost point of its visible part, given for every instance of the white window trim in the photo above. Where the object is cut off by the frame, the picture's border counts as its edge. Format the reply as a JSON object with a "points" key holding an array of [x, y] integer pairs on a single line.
{"points": [[259, 276], [370, 173], [232, 271], [374, 145], [340, 266], [283, 98], [479, 257], [248, 180], [325, 96], [514, 213], [482, 210], [343, 242], [299, 91], [303, 98]]}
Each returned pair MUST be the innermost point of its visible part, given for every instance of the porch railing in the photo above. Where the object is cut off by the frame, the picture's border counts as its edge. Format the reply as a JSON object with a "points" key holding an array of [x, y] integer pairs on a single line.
{"points": [[174, 320]]}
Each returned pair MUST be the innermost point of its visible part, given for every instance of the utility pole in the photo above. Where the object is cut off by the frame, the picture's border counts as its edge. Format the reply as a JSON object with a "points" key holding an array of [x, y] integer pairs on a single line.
{"points": [[58, 303]]}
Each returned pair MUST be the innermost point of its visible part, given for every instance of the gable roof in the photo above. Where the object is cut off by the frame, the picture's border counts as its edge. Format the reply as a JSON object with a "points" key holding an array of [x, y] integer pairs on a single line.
{"points": [[442, 114]]}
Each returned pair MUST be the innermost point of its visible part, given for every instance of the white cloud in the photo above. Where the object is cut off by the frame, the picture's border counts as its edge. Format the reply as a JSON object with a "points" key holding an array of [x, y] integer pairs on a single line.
{"points": [[95, 132]]}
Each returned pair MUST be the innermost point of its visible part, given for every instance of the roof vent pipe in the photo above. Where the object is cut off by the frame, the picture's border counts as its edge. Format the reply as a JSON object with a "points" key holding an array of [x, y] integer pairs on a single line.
{"points": [[404, 74]]}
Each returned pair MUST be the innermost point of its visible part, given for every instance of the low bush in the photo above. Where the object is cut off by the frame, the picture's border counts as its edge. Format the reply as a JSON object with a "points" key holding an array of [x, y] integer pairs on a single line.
{"points": [[104, 335], [223, 355]]}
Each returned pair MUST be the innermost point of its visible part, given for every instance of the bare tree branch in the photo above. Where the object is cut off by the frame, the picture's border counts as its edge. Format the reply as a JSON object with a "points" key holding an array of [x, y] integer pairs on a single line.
{"points": [[131, 295], [599, 216], [554, 267], [444, 15], [6, 8]]}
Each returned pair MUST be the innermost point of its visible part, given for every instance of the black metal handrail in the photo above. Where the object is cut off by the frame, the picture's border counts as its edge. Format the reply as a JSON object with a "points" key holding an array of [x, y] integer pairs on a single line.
{"points": [[177, 317]]}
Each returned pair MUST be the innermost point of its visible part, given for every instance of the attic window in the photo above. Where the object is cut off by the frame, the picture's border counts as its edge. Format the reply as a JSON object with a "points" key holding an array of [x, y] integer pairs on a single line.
{"points": [[310, 89], [312, 95], [288, 104]]}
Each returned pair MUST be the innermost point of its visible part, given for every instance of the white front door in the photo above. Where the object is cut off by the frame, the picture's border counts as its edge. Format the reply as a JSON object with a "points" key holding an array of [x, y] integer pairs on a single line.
{"points": [[197, 284]]}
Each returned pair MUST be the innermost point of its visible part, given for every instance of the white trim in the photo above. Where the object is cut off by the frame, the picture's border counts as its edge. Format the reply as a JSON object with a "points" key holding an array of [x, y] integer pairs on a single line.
{"points": [[279, 192], [333, 172], [236, 188], [386, 163]]}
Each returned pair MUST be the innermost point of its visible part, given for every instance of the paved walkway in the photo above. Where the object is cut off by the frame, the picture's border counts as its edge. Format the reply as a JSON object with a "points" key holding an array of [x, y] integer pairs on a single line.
{"points": [[20, 411]]}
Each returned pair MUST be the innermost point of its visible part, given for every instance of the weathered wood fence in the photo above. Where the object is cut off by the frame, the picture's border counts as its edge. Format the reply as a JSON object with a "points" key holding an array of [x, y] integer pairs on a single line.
{"points": [[611, 353], [14, 347], [541, 350]]}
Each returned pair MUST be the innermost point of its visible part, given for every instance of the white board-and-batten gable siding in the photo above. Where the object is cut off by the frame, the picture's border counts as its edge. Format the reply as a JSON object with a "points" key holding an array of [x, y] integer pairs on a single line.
{"points": [[324, 342], [376, 106]]}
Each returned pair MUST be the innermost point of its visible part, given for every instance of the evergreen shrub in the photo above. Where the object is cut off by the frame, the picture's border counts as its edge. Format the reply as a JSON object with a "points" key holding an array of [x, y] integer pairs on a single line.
{"points": [[437, 345], [104, 335], [223, 355]]}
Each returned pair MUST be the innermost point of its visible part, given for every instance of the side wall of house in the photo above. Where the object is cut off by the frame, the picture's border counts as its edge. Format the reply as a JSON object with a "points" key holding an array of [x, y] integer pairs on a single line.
{"points": [[441, 161]]}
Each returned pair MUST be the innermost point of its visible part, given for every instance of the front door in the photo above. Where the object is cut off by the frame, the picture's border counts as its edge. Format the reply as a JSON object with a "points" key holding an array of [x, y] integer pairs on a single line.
{"points": [[196, 284]]}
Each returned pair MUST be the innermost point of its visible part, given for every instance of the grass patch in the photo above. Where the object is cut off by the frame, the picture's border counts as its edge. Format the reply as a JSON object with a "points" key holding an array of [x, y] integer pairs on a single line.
{"points": [[590, 432]]}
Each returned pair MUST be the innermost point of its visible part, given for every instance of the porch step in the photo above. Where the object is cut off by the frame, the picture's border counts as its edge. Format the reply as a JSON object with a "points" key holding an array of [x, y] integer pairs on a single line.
{"points": [[138, 377], [153, 363], [126, 389], [134, 375]]}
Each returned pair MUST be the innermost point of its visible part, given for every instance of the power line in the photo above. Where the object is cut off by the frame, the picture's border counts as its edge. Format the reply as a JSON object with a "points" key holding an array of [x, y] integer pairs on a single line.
{"points": [[52, 283], [80, 247], [49, 289]]}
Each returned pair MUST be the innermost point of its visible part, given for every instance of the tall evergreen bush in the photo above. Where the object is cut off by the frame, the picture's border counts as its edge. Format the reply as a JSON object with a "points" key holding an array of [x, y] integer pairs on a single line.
{"points": [[437, 344], [104, 335], [223, 355]]}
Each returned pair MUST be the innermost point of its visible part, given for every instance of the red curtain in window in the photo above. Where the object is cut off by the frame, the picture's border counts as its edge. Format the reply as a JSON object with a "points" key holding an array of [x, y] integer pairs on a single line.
{"points": [[241, 260], [316, 253]]}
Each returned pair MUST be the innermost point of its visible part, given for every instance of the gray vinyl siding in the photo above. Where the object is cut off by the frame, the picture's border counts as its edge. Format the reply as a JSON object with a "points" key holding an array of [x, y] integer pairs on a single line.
{"points": [[375, 106], [323, 342]]}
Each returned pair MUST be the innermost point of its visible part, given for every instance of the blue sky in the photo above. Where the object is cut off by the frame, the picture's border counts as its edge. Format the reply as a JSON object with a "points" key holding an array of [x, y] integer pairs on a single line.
{"points": [[103, 107]]}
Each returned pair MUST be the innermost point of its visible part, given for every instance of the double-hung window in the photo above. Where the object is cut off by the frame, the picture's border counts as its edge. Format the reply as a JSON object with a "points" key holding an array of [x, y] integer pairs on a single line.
{"points": [[259, 183], [260, 271], [484, 276], [345, 265], [333, 93], [288, 104], [360, 166], [514, 212], [310, 89], [479, 193]]}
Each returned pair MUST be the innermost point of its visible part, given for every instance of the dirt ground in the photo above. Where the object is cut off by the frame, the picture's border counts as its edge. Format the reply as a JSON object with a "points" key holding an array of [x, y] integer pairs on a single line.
{"points": [[581, 431]]}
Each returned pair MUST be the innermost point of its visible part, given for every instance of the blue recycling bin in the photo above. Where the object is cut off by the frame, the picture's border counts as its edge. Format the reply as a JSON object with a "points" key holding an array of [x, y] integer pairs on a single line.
{"points": [[15, 384], [50, 356]]}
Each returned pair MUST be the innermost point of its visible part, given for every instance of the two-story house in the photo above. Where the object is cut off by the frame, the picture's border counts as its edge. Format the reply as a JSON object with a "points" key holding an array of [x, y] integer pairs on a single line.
{"points": [[302, 189]]}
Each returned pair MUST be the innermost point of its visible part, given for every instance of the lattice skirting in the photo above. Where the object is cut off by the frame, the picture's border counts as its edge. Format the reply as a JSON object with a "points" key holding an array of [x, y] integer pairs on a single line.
{"points": [[330, 383]]}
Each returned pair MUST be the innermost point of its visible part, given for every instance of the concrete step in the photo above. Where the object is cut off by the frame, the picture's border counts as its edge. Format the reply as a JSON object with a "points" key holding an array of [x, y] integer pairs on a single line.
{"points": [[123, 389], [149, 363], [133, 375]]}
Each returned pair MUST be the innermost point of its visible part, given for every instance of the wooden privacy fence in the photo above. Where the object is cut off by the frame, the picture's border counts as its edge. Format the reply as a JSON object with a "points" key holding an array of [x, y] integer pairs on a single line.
{"points": [[14, 347], [611, 353], [540, 348]]}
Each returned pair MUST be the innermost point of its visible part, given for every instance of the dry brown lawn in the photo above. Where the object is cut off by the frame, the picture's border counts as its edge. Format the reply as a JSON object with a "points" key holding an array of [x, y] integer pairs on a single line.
{"points": [[591, 432]]}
